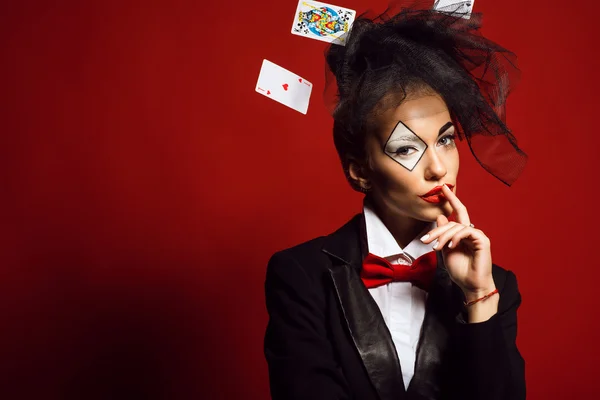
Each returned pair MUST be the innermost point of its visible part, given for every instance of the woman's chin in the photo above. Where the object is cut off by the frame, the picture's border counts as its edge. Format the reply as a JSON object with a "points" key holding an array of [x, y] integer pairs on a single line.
{"points": [[432, 213]]}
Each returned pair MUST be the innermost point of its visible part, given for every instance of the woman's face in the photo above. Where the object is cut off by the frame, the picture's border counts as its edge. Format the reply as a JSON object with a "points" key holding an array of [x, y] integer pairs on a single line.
{"points": [[413, 152]]}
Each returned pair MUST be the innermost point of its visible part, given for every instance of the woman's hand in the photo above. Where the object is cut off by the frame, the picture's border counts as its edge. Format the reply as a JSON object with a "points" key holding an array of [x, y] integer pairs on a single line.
{"points": [[466, 250]]}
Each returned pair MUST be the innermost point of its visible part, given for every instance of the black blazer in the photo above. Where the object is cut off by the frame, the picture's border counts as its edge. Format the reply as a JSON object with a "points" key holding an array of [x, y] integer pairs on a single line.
{"points": [[326, 338]]}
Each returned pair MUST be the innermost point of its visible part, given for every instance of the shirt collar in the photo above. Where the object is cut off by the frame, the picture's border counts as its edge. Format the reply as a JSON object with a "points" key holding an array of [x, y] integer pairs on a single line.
{"points": [[381, 242]]}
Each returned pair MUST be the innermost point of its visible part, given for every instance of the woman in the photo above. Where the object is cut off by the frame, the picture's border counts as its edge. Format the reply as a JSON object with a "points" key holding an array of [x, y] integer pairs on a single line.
{"points": [[403, 301]]}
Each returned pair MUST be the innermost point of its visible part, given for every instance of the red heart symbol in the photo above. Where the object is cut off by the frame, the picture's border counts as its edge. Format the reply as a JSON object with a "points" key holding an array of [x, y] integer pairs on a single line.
{"points": [[285, 86], [268, 92], [300, 80]]}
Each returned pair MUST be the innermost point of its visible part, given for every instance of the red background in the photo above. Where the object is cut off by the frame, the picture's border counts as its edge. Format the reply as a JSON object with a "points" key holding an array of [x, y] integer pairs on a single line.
{"points": [[145, 185]]}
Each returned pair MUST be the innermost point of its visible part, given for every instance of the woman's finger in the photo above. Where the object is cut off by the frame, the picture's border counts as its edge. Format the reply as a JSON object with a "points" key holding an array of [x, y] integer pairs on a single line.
{"points": [[462, 216], [436, 232], [447, 235], [468, 232]]}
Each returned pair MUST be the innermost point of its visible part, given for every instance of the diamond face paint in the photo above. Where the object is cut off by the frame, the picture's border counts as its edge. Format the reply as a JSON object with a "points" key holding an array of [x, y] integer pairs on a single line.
{"points": [[404, 146]]}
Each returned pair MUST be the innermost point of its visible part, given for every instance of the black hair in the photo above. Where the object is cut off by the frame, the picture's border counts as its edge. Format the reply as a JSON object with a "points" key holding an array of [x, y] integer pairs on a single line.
{"points": [[389, 56]]}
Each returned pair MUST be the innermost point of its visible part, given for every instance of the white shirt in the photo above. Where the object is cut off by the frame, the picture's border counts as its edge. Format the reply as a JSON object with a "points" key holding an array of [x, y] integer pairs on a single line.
{"points": [[401, 304]]}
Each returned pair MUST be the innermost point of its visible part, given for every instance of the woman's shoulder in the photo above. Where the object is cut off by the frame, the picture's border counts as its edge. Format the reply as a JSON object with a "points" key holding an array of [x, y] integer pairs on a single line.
{"points": [[305, 254], [301, 269], [311, 255]]}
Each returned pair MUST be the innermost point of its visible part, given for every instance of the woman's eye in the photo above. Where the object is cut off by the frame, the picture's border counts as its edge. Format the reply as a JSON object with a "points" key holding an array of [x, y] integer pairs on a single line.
{"points": [[446, 140], [405, 151]]}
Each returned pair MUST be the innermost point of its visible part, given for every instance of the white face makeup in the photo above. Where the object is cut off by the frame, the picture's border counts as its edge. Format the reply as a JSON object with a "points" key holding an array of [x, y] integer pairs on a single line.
{"points": [[404, 146]]}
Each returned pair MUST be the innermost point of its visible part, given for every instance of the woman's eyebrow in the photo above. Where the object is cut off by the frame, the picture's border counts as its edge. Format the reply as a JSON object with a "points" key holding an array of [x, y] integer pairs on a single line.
{"points": [[407, 138], [444, 128], [414, 137], [408, 135]]}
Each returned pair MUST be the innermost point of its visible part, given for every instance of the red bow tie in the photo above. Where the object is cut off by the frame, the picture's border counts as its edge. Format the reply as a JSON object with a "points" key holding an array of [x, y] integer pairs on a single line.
{"points": [[378, 271]]}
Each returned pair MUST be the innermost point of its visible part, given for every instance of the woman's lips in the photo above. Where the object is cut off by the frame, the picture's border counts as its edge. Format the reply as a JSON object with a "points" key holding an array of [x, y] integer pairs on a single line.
{"points": [[436, 198], [435, 195]]}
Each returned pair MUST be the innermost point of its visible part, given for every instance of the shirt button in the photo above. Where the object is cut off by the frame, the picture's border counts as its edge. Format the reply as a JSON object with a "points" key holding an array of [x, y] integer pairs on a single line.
{"points": [[403, 260]]}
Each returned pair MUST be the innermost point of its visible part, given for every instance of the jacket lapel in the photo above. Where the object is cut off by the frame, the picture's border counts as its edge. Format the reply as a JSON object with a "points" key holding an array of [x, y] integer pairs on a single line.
{"points": [[362, 315], [433, 341]]}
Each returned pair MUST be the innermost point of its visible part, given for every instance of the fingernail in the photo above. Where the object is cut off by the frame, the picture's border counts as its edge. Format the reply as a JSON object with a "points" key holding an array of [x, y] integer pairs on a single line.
{"points": [[425, 237], [436, 244], [450, 244]]}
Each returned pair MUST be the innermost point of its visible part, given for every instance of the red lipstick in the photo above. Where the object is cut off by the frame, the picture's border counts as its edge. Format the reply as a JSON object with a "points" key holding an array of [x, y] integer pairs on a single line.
{"points": [[435, 195]]}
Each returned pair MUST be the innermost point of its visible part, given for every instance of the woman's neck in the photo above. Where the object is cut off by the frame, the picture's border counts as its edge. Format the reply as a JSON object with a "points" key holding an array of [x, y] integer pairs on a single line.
{"points": [[403, 228]]}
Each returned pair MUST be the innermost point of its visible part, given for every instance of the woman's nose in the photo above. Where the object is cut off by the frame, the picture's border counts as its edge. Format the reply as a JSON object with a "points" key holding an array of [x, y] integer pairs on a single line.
{"points": [[435, 167]]}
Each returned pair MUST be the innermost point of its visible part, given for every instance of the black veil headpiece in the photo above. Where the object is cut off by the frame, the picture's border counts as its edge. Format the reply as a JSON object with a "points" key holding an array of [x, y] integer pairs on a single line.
{"points": [[388, 53]]}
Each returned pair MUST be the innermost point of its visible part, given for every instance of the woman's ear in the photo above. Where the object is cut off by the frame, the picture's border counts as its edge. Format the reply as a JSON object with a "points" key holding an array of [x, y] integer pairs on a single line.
{"points": [[357, 174]]}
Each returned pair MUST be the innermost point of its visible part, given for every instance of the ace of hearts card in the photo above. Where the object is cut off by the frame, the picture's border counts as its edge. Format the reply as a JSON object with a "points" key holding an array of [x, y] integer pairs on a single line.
{"points": [[284, 86]]}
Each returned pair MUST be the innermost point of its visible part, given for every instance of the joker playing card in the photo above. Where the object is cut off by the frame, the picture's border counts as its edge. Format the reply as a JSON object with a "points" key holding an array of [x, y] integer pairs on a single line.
{"points": [[322, 21]]}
